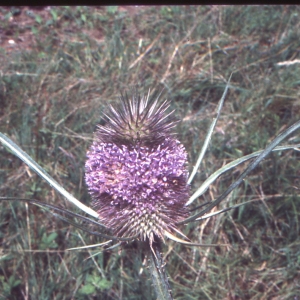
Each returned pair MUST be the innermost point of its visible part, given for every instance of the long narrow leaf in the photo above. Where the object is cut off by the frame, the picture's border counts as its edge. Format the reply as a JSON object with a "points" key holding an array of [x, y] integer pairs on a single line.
{"points": [[202, 189], [42, 173], [209, 134], [47, 207], [50, 206], [90, 246], [251, 166], [226, 209], [181, 241]]}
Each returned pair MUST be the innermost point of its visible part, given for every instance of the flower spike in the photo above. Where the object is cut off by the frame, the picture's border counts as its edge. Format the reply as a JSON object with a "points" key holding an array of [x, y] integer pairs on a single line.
{"points": [[136, 171]]}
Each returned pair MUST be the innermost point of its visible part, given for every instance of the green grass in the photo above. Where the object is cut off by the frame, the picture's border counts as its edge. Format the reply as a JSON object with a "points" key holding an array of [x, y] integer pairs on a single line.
{"points": [[69, 63]]}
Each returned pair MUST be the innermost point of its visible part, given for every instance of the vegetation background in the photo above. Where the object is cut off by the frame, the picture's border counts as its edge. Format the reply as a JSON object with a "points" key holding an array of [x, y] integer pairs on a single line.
{"points": [[60, 67]]}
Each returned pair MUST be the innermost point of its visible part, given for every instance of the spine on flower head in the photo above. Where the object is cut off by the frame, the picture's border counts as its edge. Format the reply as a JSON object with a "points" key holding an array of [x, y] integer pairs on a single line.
{"points": [[136, 170]]}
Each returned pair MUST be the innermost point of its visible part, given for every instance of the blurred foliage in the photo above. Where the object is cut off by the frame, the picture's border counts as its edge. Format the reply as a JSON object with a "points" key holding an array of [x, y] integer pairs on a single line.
{"points": [[62, 66]]}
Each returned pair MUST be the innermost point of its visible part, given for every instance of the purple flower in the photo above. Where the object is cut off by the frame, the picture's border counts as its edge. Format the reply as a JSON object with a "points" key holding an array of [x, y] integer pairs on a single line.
{"points": [[136, 171]]}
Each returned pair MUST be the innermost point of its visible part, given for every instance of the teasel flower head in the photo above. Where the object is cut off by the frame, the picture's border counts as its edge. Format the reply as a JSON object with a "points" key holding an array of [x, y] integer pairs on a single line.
{"points": [[136, 170]]}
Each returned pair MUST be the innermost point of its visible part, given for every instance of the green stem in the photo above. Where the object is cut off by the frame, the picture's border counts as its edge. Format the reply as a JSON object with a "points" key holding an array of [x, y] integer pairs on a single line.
{"points": [[158, 273]]}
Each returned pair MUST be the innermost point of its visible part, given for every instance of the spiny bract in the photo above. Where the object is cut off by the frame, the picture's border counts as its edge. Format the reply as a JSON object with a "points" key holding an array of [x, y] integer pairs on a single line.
{"points": [[136, 170]]}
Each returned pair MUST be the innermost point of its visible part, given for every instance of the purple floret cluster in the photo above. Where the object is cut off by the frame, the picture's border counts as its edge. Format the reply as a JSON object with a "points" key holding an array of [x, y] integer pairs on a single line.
{"points": [[126, 181]]}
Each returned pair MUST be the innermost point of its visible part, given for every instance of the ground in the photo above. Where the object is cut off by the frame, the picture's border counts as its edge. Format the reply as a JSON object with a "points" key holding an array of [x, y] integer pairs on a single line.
{"points": [[60, 67]]}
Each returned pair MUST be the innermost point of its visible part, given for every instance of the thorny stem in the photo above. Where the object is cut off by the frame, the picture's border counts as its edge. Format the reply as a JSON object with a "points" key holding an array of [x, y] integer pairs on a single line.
{"points": [[158, 273]]}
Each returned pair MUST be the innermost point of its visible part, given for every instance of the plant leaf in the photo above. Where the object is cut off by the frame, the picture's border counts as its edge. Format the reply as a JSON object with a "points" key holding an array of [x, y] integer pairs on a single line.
{"points": [[251, 167], [202, 189], [209, 134], [42, 173]]}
